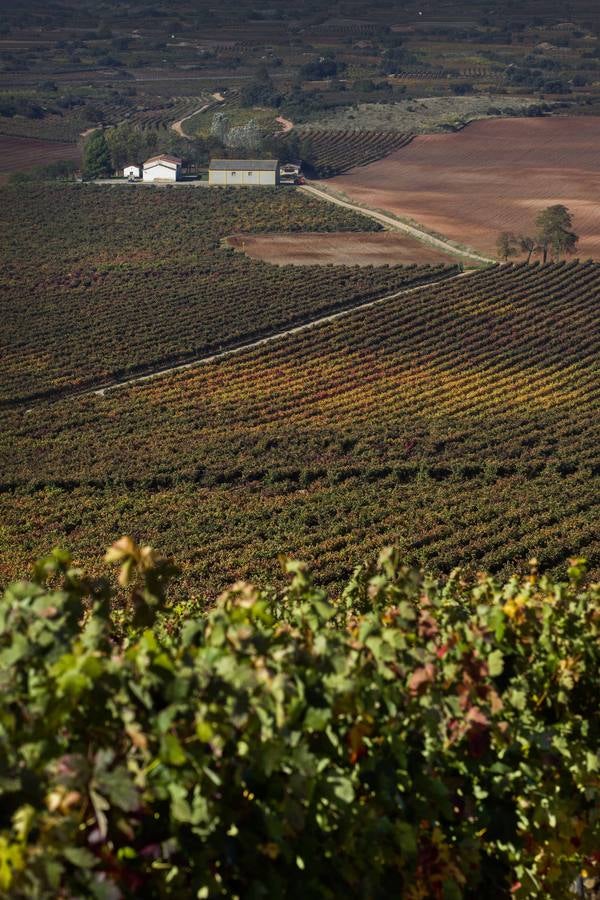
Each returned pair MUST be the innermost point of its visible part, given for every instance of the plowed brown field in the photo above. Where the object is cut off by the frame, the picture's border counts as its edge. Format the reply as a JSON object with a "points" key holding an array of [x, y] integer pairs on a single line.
{"points": [[335, 248], [18, 154], [493, 176]]}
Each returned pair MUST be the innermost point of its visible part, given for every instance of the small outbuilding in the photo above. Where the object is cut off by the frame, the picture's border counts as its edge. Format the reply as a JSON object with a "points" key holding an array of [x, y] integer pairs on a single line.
{"points": [[248, 172], [163, 168], [291, 170], [132, 172]]}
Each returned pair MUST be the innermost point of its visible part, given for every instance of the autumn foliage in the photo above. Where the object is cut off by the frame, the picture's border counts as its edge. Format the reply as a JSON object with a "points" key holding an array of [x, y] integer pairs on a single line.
{"points": [[409, 738]]}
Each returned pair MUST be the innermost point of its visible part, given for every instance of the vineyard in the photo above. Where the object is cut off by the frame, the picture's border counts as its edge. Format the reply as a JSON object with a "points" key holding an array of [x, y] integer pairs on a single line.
{"points": [[19, 154], [146, 112], [330, 153], [162, 116], [138, 280], [459, 423]]}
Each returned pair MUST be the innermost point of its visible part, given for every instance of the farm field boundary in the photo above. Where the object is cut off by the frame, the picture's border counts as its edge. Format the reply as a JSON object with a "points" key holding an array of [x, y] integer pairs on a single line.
{"points": [[493, 176], [101, 387], [392, 222], [251, 345]]}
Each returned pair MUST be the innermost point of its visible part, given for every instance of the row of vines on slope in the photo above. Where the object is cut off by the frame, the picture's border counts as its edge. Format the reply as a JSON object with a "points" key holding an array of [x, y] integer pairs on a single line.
{"points": [[139, 280], [459, 422], [328, 153]]}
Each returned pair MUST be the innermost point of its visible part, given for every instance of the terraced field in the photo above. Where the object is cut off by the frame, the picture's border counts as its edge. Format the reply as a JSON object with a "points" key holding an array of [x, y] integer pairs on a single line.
{"points": [[459, 422], [147, 111]]}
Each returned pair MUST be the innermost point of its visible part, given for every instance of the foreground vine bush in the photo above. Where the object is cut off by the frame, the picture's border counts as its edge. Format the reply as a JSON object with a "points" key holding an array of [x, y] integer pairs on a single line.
{"points": [[412, 739]]}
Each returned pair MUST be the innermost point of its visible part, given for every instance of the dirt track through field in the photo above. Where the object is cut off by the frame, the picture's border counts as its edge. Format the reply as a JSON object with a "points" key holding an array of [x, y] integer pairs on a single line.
{"points": [[177, 127], [391, 222], [493, 176]]}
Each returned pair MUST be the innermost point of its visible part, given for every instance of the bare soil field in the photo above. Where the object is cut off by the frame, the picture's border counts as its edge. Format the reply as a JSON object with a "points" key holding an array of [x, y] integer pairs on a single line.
{"points": [[18, 154], [494, 176], [337, 248]]}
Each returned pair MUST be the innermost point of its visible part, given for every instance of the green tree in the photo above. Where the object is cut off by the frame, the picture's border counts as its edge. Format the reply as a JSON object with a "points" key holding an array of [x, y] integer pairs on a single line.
{"points": [[527, 245], [96, 156], [128, 144], [506, 245], [555, 233]]}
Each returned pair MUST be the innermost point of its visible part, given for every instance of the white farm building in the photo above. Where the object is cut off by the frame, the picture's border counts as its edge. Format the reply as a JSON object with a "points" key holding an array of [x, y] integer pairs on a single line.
{"points": [[162, 168], [249, 172], [132, 172]]}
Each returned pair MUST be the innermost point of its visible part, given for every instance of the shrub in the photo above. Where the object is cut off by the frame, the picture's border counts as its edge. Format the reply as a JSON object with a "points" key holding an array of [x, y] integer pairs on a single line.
{"points": [[411, 739]]}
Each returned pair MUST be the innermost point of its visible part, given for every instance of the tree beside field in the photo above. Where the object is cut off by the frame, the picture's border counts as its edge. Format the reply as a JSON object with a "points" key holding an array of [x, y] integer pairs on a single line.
{"points": [[506, 245], [96, 156], [554, 236], [555, 233]]}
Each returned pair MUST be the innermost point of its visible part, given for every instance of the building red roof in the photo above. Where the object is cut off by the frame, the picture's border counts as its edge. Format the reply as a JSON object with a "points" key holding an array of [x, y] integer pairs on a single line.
{"points": [[163, 158]]}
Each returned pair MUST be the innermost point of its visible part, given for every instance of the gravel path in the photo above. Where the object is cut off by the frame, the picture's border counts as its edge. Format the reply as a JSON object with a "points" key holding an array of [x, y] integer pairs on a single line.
{"points": [[276, 336], [397, 224]]}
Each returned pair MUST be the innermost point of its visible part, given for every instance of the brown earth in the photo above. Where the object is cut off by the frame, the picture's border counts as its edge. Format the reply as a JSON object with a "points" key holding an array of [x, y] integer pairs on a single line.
{"points": [[337, 248], [18, 154], [493, 176]]}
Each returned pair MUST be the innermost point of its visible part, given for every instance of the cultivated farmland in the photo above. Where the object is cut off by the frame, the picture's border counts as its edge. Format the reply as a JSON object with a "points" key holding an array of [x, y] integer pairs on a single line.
{"points": [[137, 279], [378, 249], [491, 177], [19, 154], [333, 152], [459, 422]]}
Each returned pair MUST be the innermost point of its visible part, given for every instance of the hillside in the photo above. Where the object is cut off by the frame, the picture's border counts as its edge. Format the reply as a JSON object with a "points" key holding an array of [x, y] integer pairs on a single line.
{"points": [[490, 177], [459, 423], [100, 282]]}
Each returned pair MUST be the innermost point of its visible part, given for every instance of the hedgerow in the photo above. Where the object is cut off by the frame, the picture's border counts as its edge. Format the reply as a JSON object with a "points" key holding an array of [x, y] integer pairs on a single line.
{"points": [[411, 738]]}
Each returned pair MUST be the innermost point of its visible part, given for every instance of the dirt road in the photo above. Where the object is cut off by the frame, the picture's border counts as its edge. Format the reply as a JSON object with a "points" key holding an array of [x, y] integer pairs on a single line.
{"points": [[277, 336], [177, 127], [396, 224], [286, 125]]}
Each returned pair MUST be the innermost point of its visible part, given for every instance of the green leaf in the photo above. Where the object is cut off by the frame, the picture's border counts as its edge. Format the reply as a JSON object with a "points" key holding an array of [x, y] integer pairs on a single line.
{"points": [[119, 788], [495, 663], [317, 719], [343, 790], [407, 838], [17, 650], [80, 857], [171, 750], [204, 730]]}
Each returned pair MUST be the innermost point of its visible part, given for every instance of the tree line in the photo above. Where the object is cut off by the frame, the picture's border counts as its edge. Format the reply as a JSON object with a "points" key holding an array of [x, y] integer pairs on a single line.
{"points": [[108, 150], [553, 237]]}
